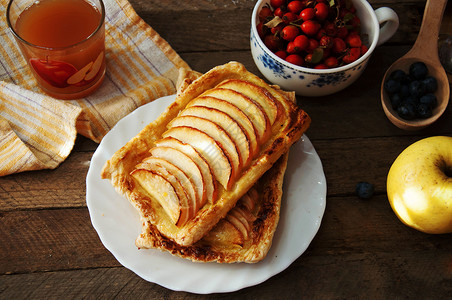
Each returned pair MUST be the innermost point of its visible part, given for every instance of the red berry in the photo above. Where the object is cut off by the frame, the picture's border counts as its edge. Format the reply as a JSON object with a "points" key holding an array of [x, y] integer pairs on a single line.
{"points": [[321, 11], [331, 62], [326, 53], [330, 29], [342, 32], [339, 45], [295, 6], [290, 32], [272, 42], [301, 42], [320, 33], [277, 29], [352, 55], [320, 67], [353, 40], [264, 13], [261, 29], [307, 14], [326, 42], [279, 12], [313, 44], [295, 59], [281, 54], [364, 49], [289, 17], [277, 3], [291, 48], [310, 27]]}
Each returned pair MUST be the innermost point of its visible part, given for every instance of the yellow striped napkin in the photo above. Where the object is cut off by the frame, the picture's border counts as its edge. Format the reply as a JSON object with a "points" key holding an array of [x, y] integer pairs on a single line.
{"points": [[38, 131]]}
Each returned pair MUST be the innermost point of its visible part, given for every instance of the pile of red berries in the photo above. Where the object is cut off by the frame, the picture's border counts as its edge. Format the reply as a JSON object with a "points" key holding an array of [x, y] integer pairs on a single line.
{"points": [[318, 34]]}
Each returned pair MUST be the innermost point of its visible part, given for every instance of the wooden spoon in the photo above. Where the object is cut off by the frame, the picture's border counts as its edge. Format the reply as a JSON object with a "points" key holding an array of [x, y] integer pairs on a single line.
{"points": [[425, 49]]}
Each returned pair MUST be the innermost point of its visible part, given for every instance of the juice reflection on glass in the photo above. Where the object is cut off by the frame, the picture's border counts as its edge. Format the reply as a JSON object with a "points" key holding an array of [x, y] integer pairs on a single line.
{"points": [[63, 42]]}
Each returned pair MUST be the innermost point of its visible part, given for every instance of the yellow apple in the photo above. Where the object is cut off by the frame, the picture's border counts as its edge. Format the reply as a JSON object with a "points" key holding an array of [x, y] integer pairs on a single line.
{"points": [[419, 185]]}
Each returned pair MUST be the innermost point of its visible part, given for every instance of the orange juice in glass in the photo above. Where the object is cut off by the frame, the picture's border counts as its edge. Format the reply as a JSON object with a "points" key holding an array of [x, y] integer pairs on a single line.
{"points": [[63, 42]]}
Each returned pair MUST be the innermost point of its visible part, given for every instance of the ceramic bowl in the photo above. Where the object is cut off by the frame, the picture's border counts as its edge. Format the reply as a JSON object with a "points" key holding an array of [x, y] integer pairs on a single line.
{"points": [[379, 25]]}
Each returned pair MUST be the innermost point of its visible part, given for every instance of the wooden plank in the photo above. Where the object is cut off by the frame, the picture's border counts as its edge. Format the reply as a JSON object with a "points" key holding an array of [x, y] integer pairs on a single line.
{"points": [[61, 187], [405, 275], [44, 240]]}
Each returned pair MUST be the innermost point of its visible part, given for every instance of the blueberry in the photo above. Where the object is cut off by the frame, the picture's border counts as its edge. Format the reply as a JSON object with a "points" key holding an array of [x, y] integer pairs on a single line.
{"points": [[404, 90], [417, 88], [396, 100], [364, 190], [431, 84], [418, 70], [392, 86], [411, 99], [407, 110], [423, 111], [398, 75], [429, 100]]}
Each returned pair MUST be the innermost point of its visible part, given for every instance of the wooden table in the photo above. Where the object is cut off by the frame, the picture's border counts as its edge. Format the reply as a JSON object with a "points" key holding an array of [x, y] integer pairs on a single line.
{"points": [[49, 248]]}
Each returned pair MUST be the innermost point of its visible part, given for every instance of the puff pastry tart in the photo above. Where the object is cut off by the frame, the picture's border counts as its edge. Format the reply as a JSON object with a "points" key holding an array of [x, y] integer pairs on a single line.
{"points": [[186, 170], [244, 235]]}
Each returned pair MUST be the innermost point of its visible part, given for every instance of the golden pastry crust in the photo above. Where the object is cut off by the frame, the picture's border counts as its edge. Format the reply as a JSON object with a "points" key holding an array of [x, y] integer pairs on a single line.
{"points": [[291, 124], [225, 243]]}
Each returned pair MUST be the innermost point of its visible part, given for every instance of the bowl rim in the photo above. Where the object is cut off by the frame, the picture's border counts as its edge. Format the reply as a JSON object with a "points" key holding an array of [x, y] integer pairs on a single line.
{"points": [[359, 61]]}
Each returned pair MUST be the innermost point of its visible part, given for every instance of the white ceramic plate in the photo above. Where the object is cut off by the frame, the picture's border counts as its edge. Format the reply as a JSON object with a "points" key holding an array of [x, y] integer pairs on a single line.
{"points": [[118, 223]]}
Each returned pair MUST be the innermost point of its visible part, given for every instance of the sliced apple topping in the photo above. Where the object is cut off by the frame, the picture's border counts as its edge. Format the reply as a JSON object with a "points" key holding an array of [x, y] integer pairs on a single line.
{"points": [[160, 189], [210, 182], [228, 124], [249, 107], [187, 165], [172, 173], [241, 216], [215, 132], [252, 91], [235, 113], [208, 148], [239, 222]]}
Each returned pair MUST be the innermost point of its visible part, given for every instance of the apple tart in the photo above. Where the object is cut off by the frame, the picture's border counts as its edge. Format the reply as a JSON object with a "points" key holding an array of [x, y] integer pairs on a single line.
{"points": [[244, 235], [188, 169]]}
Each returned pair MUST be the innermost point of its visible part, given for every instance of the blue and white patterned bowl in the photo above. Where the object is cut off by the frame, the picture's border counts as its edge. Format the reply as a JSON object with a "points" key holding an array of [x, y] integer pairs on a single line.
{"points": [[313, 82]]}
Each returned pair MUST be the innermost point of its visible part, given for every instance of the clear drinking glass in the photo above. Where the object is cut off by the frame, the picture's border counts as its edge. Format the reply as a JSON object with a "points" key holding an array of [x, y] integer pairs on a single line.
{"points": [[65, 70]]}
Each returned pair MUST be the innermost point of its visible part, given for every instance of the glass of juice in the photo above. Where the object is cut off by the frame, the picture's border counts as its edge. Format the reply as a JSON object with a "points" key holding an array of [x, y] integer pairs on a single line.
{"points": [[63, 42]]}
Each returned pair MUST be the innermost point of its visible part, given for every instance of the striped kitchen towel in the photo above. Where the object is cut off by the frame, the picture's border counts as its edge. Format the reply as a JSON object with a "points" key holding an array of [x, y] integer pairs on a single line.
{"points": [[39, 132]]}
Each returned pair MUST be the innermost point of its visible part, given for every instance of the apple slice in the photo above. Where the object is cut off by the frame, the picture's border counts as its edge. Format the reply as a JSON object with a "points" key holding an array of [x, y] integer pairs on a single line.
{"points": [[161, 190], [181, 183], [217, 133], [211, 185], [260, 95], [188, 166], [239, 222], [208, 149], [249, 107], [235, 113], [228, 124]]}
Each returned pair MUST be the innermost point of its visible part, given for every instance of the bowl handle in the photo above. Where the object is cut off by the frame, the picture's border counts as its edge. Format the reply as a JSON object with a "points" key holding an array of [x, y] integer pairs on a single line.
{"points": [[389, 21]]}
